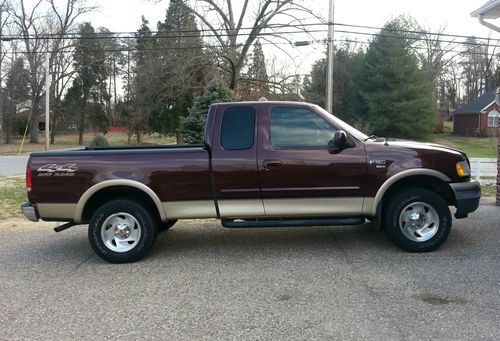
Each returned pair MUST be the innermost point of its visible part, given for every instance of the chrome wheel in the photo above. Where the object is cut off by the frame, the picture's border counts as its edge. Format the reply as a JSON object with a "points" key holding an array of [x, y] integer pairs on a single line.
{"points": [[121, 232], [419, 221]]}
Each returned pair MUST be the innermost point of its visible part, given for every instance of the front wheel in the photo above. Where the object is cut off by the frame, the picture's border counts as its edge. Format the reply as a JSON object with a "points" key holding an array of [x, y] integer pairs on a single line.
{"points": [[122, 231], [417, 220]]}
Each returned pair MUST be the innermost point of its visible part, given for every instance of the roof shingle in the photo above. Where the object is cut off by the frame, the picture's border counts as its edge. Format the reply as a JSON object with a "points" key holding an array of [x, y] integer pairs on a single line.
{"points": [[479, 104]]}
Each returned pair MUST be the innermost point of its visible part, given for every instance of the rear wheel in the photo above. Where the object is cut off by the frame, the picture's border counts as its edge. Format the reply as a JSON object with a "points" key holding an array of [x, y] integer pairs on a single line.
{"points": [[417, 220], [122, 231]]}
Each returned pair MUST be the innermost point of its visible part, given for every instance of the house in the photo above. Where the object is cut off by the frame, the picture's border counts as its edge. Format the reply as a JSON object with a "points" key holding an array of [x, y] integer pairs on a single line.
{"points": [[478, 118]]}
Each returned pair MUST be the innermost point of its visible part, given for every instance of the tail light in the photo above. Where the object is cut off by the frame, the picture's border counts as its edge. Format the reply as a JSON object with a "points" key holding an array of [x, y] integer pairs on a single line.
{"points": [[28, 178]]}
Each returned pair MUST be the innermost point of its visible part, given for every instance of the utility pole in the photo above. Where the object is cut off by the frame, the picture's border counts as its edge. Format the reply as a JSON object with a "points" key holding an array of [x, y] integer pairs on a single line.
{"points": [[47, 100], [2, 135], [330, 55]]}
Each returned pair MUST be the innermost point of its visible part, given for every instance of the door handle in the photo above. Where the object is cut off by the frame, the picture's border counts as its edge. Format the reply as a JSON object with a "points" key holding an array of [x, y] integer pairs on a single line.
{"points": [[267, 164]]}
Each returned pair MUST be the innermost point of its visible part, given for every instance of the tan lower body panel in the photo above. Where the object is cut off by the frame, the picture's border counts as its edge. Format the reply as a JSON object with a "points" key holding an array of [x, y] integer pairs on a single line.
{"points": [[303, 207], [59, 211], [242, 208], [309, 207], [206, 209]]}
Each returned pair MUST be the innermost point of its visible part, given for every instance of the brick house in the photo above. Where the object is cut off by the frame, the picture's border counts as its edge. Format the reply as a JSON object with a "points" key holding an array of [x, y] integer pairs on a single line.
{"points": [[478, 118]]}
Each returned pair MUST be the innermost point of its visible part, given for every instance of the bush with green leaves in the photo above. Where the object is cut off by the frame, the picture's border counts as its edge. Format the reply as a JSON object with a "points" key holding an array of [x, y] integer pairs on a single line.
{"points": [[192, 126], [99, 141], [395, 99]]}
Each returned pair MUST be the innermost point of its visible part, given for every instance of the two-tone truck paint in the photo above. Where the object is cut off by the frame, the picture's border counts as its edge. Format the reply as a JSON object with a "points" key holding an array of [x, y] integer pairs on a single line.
{"points": [[262, 164]]}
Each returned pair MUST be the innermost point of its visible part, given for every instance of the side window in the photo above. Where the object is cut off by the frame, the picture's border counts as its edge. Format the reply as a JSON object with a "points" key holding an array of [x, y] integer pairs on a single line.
{"points": [[238, 128], [299, 128]]}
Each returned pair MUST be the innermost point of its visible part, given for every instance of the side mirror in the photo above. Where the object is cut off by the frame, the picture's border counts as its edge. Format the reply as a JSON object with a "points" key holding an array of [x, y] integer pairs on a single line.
{"points": [[338, 142]]}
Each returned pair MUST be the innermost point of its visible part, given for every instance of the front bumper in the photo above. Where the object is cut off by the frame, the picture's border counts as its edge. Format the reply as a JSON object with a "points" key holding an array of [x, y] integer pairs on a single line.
{"points": [[467, 195], [29, 211]]}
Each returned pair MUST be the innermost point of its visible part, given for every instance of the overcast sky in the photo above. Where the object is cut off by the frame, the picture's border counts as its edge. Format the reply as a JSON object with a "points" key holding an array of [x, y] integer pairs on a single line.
{"points": [[124, 15]]}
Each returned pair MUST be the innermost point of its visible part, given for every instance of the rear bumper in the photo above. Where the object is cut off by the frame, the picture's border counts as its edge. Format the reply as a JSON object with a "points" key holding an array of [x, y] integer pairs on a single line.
{"points": [[29, 211], [467, 196]]}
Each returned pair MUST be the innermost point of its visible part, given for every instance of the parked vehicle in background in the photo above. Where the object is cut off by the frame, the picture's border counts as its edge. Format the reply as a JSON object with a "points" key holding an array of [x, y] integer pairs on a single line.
{"points": [[262, 164]]}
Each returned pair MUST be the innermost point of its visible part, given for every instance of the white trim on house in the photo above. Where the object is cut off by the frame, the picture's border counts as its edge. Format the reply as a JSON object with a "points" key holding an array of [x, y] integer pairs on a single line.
{"points": [[490, 10], [494, 116], [486, 107]]}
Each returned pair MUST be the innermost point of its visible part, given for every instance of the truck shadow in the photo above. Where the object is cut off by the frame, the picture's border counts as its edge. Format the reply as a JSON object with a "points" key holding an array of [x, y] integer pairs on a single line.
{"points": [[213, 238]]}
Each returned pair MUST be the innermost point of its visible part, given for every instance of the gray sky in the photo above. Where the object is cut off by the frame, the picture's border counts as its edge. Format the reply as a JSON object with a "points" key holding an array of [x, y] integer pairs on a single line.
{"points": [[124, 15]]}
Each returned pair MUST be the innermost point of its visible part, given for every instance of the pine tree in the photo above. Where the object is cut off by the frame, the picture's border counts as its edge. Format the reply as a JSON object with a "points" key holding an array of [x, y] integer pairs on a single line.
{"points": [[181, 68], [348, 61], [258, 85], [89, 86], [394, 97], [193, 124]]}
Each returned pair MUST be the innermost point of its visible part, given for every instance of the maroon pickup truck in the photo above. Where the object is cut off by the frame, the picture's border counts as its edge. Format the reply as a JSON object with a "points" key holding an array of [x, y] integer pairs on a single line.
{"points": [[262, 164]]}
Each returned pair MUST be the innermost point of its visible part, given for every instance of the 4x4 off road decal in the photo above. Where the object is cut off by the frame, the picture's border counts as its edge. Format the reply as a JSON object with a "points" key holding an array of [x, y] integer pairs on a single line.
{"points": [[53, 169]]}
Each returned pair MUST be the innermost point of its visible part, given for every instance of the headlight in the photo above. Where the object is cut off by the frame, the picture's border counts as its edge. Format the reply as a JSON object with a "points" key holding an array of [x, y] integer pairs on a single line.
{"points": [[463, 169]]}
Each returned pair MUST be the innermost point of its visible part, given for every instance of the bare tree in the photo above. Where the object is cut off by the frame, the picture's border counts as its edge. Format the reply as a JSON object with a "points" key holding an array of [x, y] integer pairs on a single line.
{"points": [[63, 21], [4, 5], [235, 33], [31, 26], [36, 24]]}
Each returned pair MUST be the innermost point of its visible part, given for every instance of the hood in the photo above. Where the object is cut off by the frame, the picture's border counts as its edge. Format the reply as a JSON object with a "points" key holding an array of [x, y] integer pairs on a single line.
{"points": [[424, 146]]}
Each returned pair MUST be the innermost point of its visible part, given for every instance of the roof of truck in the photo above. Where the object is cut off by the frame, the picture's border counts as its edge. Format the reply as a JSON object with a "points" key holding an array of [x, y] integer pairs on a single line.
{"points": [[265, 102]]}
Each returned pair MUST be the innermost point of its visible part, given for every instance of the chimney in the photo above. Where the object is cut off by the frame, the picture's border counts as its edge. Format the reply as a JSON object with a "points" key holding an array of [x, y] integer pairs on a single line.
{"points": [[497, 97]]}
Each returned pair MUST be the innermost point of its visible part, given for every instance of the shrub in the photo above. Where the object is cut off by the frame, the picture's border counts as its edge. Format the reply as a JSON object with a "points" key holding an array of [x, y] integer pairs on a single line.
{"points": [[99, 141]]}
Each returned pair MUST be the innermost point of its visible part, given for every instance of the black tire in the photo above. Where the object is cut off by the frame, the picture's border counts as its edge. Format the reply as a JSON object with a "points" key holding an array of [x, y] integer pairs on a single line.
{"points": [[165, 226], [146, 237], [422, 198]]}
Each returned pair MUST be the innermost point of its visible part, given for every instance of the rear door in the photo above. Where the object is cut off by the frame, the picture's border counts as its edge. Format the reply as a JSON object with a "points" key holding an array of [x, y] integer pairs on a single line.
{"points": [[298, 175], [234, 161]]}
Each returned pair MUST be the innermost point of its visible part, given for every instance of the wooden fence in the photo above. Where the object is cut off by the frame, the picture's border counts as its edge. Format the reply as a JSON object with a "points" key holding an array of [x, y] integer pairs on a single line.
{"points": [[484, 170]]}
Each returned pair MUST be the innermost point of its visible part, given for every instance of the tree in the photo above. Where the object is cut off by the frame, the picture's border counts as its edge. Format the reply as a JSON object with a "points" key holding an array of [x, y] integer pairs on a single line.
{"points": [[144, 81], [348, 61], [478, 66], [234, 40], [394, 97], [16, 92], [182, 68], [89, 86], [256, 85], [193, 124], [43, 17]]}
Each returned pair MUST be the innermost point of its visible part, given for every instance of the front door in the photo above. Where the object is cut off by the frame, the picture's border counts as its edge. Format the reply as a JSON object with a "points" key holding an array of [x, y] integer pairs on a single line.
{"points": [[299, 177]]}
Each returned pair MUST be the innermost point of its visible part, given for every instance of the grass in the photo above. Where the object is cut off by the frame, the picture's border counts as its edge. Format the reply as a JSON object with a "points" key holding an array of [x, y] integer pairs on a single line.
{"points": [[12, 195], [70, 140], [472, 146], [488, 191]]}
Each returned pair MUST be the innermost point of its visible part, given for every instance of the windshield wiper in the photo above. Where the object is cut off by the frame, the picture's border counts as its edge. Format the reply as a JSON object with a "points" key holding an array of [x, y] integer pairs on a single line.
{"points": [[371, 137]]}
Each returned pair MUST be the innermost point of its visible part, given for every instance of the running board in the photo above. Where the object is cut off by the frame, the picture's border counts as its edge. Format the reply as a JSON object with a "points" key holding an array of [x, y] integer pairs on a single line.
{"points": [[237, 223]]}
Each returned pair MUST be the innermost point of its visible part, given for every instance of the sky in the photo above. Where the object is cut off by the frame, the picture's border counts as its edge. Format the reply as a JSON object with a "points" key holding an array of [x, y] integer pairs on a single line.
{"points": [[453, 15]]}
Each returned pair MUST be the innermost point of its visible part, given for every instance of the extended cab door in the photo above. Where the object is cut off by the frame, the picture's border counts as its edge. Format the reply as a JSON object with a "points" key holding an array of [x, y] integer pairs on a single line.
{"points": [[298, 175], [234, 161]]}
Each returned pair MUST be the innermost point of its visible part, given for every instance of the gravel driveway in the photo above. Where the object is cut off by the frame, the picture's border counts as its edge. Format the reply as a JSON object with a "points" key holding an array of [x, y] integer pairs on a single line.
{"points": [[205, 282]]}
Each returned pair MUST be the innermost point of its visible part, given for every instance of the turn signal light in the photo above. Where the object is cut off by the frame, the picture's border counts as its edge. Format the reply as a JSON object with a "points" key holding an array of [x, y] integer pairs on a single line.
{"points": [[463, 169]]}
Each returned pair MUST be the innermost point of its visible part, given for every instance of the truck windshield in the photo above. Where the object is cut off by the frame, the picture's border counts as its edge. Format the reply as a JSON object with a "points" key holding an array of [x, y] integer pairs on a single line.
{"points": [[344, 126]]}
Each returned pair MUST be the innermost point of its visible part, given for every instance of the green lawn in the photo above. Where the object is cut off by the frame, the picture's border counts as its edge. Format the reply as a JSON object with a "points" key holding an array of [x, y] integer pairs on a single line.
{"points": [[472, 146], [12, 195]]}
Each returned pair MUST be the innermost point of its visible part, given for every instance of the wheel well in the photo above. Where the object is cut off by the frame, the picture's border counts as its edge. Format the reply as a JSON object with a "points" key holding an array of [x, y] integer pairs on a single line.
{"points": [[118, 192], [431, 183]]}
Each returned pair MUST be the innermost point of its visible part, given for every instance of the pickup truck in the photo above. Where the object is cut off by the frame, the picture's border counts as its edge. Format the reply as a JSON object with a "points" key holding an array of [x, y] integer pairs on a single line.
{"points": [[262, 164]]}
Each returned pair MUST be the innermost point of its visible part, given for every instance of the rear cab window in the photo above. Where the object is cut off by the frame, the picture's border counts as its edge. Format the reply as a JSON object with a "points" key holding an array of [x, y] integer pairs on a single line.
{"points": [[238, 128]]}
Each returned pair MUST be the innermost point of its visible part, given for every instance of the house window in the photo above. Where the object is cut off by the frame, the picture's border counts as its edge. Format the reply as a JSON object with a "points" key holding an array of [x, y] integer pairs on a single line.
{"points": [[493, 118]]}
